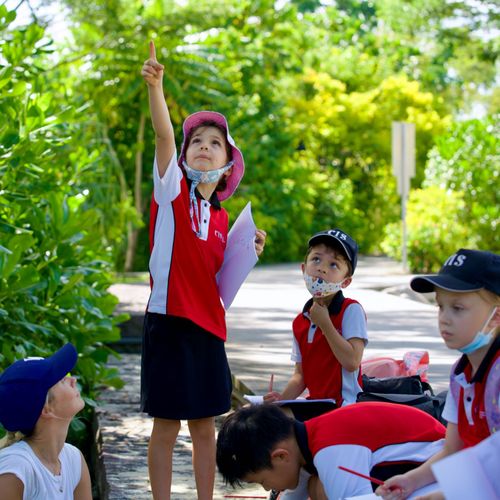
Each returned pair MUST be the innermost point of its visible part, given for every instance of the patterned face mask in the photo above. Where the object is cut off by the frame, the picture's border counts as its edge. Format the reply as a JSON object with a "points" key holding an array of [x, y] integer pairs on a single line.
{"points": [[320, 288], [197, 176]]}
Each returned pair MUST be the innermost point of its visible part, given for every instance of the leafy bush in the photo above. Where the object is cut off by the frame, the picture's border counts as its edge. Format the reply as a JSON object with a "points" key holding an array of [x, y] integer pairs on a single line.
{"points": [[436, 228], [466, 160], [54, 264]]}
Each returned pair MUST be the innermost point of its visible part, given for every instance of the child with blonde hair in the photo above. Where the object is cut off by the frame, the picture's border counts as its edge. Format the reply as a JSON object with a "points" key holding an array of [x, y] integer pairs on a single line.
{"points": [[468, 295]]}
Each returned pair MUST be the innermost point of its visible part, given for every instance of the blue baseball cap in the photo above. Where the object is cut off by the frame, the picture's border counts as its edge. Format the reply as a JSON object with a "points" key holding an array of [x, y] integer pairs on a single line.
{"points": [[24, 386], [344, 241], [464, 271]]}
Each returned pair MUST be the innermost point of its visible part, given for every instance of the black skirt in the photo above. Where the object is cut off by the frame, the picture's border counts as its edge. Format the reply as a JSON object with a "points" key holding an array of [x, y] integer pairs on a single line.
{"points": [[184, 370]]}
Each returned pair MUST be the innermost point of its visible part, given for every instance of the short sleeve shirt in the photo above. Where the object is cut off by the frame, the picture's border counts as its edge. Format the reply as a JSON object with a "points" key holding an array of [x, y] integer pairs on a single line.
{"points": [[40, 483], [183, 267], [324, 376], [470, 398], [364, 435]]}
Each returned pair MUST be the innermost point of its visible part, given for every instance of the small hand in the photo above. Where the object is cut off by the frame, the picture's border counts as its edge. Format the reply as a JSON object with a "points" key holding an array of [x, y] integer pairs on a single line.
{"points": [[271, 397], [260, 241], [395, 488], [152, 70], [319, 314]]}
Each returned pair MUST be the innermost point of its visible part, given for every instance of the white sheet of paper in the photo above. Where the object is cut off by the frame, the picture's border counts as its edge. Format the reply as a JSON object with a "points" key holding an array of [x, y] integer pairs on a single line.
{"points": [[254, 399], [257, 400], [471, 473], [421, 491], [239, 258]]}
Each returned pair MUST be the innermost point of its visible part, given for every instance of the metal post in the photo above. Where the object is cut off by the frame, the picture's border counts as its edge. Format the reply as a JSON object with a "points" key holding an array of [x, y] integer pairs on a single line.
{"points": [[404, 194], [403, 164]]}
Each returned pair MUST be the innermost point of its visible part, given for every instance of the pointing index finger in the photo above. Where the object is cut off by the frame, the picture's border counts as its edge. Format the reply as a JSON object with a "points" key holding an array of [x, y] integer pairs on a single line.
{"points": [[152, 51]]}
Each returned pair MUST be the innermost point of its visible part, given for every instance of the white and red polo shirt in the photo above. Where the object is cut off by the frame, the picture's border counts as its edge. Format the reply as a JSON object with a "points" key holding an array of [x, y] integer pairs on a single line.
{"points": [[473, 402], [324, 376], [362, 436], [182, 266]]}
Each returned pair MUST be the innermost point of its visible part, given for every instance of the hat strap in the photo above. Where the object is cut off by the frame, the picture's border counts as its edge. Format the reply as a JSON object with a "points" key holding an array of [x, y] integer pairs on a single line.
{"points": [[196, 177]]}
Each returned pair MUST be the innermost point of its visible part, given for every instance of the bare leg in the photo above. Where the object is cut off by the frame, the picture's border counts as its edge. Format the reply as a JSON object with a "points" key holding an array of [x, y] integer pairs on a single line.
{"points": [[161, 447], [203, 436]]}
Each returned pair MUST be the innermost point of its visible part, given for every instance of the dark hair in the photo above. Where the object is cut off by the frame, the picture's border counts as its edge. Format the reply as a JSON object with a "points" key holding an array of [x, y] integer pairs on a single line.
{"points": [[221, 186], [337, 248], [247, 438]]}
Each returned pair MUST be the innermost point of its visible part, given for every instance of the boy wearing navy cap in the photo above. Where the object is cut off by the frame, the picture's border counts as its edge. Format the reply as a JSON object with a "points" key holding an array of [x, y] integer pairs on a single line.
{"points": [[468, 295], [38, 398], [329, 335], [330, 332]]}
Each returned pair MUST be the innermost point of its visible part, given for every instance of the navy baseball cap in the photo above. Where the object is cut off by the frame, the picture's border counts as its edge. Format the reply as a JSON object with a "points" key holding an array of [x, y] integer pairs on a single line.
{"points": [[24, 386], [349, 246], [465, 271]]}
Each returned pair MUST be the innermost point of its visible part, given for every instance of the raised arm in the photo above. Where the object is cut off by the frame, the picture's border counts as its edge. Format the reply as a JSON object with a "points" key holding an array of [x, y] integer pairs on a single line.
{"points": [[152, 72]]}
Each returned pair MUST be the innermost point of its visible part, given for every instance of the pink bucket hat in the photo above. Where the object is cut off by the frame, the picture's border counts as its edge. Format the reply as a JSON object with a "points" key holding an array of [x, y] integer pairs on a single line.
{"points": [[198, 118]]}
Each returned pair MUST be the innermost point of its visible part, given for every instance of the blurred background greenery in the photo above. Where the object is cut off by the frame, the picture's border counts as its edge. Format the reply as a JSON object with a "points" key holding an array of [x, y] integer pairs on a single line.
{"points": [[310, 89]]}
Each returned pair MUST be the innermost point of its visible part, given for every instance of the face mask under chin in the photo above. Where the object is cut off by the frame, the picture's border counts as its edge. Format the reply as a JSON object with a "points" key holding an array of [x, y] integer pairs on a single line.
{"points": [[196, 177], [208, 177], [318, 287], [481, 338]]}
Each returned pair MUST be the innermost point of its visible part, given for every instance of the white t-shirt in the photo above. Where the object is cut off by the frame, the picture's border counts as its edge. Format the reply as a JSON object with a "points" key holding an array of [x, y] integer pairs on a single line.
{"points": [[40, 483]]}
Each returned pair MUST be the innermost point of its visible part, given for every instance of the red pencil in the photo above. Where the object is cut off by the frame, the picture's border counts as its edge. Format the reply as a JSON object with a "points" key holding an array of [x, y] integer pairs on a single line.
{"points": [[372, 479], [271, 383]]}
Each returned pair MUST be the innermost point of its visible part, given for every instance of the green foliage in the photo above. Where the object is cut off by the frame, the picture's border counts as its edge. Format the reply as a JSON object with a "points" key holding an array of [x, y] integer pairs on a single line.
{"points": [[467, 161], [348, 137], [436, 228], [55, 257], [310, 89]]}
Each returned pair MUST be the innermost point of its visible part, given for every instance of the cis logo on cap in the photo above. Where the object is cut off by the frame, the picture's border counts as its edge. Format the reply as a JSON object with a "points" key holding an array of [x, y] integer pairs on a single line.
{"points": [[456, 260], [337, 234]]}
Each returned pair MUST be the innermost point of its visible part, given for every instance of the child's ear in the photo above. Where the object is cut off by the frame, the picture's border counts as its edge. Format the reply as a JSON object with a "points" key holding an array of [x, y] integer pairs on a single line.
{"points": [[303, 267], [280, 454], [346, 282]]}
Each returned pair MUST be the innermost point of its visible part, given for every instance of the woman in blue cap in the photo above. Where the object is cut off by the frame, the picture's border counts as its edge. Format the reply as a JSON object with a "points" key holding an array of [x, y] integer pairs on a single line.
{"points": [[38, 398]]}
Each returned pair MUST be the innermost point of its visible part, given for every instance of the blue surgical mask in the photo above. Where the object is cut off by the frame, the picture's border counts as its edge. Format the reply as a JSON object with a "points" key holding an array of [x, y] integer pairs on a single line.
{"points": [[197, 176], [481, 339]]}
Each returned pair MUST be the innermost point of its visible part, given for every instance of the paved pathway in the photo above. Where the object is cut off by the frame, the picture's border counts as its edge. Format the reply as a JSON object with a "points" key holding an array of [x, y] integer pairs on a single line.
{"points": [[259, 343]]}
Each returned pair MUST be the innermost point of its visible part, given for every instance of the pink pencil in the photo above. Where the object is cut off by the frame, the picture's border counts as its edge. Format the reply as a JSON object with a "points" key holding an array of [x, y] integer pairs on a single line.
{"points": [[271, 383], [372, 479]]}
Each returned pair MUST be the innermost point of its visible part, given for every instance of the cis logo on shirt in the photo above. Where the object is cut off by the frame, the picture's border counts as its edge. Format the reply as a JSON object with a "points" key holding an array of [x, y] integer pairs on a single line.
{"points": [[219, 235]]}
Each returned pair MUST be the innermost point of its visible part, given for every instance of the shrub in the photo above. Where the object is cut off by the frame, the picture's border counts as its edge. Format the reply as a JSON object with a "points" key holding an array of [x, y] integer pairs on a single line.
{"points": [[436, 228], [54, 267]]}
